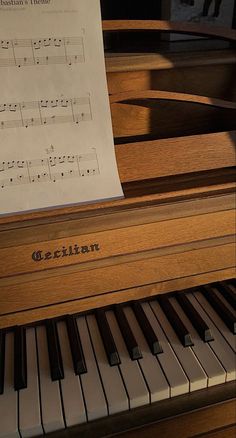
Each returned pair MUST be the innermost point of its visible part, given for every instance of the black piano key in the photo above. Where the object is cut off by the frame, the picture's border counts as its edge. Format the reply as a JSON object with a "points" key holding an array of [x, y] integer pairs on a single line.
{"points": [[147, 329], [196, 320], [227, 293], [127, 334], [108, 341], [54, 351], [224, 313], [75, 346], [20, 359], [179, 328], [2, 359]]}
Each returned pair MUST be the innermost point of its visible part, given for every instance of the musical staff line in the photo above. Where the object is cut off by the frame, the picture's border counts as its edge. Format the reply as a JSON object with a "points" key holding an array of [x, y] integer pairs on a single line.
{"points": [[49, 169], [41, 51], [45, 112]]}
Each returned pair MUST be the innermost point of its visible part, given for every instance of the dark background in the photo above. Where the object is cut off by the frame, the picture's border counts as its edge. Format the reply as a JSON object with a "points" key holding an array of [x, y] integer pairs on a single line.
{"points": [[129, 9], [137, 10]]}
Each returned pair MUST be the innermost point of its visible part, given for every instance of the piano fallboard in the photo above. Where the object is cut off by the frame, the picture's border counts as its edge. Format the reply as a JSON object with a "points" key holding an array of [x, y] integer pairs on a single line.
{"points": [[170, 236]]}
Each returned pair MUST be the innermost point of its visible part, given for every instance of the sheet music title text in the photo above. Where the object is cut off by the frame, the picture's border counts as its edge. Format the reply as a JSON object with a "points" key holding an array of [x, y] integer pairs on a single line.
{"points": [[24, 2]]}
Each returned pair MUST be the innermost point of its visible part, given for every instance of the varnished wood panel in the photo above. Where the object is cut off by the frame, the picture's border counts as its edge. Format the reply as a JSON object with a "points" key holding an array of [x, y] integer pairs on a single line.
{"points": [[113, 243], [172, 96], [81, 284], [159, 158], [143, 119], [170, 26], [215, 80], [122, 259], [86, 304], [208, 73], [77, 226], [192, 425], [223, 432]]}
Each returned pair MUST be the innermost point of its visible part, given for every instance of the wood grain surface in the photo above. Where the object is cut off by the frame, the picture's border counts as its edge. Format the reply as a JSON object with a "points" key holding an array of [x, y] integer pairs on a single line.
{"points": [[158, 158], [38, 292], [169, 26], [112, 243], [168, 95], [197, 424], [144, 63], [85, 304], [77, 226]]}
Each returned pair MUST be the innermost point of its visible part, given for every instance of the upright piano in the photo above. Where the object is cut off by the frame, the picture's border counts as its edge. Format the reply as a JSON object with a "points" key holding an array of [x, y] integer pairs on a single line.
{"points": [[118, 318]]}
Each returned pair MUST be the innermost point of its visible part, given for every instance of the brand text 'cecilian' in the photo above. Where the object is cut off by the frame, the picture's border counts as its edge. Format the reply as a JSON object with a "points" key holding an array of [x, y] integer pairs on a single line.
{"points": [[72, 250]]}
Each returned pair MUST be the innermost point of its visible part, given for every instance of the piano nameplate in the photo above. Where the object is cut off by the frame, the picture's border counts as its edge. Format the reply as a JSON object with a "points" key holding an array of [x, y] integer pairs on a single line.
{"points": [[71, 250], [110, 244], [174, 244], [65, 286]]}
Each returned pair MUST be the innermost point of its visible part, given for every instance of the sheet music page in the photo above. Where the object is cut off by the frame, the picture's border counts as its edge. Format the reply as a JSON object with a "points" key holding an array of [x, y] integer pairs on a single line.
{"points": [[56, 142]]}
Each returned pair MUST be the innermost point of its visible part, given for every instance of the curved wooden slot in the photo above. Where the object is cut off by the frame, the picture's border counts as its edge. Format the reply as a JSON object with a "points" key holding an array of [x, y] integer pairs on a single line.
{"points": [[168, 95], [169, 26]]}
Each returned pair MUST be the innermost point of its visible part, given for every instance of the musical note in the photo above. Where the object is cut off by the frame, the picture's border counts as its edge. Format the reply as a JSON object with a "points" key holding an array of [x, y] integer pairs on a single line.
{"points": [[5, 44], [31, 122], [20, 179], [40, 177], [50, 149], [12, 165], [41, 51], [21, 164], [45, 112], [49, 169]]}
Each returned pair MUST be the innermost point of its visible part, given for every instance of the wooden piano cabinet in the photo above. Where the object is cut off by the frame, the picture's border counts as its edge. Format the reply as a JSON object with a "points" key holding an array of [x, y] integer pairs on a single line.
{"points": [[175, 226], [174, 128]]}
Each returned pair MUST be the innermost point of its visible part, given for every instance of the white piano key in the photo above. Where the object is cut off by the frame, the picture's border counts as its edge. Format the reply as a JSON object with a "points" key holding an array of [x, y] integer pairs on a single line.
{"points": [[213, 368], [95, 401], [29, 402], [116, 396], [153, 374], [71, 390], [9, 399], [220, 347], [52, 414], [192, 367], [173, 370], [222, 327], [134, 382]]}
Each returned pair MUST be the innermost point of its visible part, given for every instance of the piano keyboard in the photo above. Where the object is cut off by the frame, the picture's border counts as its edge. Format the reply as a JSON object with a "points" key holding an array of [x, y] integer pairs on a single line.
{"points": [[80, 368]]}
